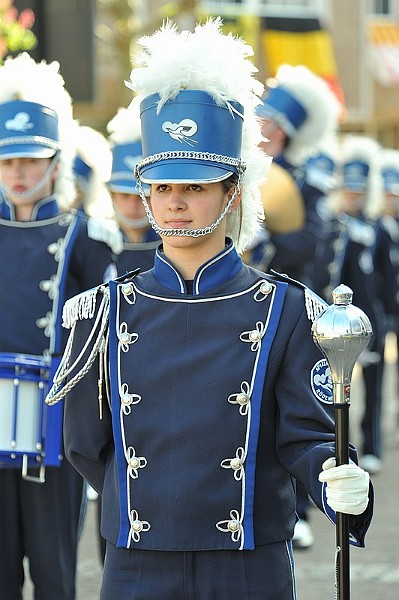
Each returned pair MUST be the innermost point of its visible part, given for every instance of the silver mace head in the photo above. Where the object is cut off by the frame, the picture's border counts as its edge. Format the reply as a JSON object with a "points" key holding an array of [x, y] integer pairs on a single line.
{"points": [[342, 332]]}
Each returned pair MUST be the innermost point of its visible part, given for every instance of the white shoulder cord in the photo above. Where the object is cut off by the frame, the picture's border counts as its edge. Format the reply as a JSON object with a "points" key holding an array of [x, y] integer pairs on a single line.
{"points": [[56, 393]]}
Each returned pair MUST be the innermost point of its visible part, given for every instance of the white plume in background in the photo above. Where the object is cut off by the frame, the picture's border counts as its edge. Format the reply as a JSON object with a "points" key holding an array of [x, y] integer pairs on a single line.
{"points": [[125, 126], [321, 106], [94, 149]]}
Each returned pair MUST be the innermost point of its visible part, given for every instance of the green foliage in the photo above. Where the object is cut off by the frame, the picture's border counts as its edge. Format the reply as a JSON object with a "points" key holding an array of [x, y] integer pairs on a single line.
{"points": [[15, 29]]}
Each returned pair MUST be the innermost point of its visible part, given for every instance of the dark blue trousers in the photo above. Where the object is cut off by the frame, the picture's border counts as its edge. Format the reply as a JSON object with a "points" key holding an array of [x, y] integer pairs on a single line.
{"points": [[40, 521], [266, 573]]}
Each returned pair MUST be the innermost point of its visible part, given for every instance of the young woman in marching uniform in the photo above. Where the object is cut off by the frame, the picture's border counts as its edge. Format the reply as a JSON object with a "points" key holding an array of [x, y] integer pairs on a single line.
{"points": [[208, 374], [47, 256]]}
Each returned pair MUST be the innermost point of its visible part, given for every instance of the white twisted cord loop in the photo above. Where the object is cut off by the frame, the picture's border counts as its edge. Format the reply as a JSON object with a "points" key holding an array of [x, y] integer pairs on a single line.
{"points": [[236, 463], [134, 463], [243, 398], [263, 291], [232, 526], [254, 337], [137, 526]]}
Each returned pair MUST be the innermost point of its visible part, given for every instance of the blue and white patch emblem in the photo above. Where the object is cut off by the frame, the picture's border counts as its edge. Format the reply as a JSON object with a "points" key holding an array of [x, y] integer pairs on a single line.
{"points": [[321, 382]]}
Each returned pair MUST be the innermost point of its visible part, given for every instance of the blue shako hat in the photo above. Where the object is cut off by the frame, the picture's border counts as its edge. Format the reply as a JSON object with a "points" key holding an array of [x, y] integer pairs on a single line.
{"points": [[355, 175], [190, 139], [390, 177], [124, 160], [82, 171], [28, 130], [283, 108], [323, 162], [322, 171]]}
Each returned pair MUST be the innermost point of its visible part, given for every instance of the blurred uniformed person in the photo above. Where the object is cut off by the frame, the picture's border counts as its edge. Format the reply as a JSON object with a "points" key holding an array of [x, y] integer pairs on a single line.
{"points": [[358, 255], [139, 239], [297, 114], [47, 255], [390, 219]]}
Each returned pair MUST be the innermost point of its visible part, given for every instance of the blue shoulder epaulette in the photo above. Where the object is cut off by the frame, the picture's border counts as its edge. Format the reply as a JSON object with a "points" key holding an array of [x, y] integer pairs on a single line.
{"points": [[128, 276]]}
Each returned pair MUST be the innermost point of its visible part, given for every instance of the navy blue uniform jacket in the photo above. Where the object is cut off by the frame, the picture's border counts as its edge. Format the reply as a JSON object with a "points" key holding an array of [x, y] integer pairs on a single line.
{"points": [[218, 400]]}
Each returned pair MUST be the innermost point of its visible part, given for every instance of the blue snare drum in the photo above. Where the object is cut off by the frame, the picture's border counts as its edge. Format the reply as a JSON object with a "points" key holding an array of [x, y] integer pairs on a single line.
{"points": [[30, 433]]}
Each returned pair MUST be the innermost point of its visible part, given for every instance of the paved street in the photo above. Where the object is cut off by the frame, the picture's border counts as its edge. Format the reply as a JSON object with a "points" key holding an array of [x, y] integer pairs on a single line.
{"points": [[374, 570]]}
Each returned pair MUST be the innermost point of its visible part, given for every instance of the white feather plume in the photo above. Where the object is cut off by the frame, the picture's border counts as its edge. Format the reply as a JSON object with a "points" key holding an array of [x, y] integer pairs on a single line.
{"points": [[21, 77], [389, 159], [94, 149], [125, 126], [207, 60]]}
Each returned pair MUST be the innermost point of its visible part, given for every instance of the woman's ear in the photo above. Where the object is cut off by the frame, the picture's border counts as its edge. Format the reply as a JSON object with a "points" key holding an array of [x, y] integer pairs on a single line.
{"points": [[237, 198]]}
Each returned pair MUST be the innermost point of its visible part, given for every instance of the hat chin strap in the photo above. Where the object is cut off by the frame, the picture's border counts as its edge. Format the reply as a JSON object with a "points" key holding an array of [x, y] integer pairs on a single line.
{"points": [[163, 231], [28, 194]]}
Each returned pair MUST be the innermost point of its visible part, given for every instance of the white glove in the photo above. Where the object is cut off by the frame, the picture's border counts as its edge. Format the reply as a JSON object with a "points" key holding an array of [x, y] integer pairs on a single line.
{"points": [[347, 487]]}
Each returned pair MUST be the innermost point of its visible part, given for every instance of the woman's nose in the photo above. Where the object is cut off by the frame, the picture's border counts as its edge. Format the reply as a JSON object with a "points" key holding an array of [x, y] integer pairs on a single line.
{"points": [[176, 199]]}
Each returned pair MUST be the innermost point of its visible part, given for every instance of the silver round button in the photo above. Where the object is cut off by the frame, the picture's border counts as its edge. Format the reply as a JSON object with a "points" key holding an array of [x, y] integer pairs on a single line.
{"points": [[127, 289], [233, 525], [137, 525], [236, 463], [266, 288], [242, 399], [254, 336], [134, 462]]}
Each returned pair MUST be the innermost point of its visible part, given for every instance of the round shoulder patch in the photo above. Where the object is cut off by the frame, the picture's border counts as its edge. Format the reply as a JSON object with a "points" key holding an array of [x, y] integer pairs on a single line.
{"points": [[321, 382]]}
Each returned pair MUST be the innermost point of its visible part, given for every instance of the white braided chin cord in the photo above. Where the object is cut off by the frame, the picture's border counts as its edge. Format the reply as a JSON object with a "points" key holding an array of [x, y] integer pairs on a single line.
{"points": [[217, 158], [133, 223], [28, 194]]}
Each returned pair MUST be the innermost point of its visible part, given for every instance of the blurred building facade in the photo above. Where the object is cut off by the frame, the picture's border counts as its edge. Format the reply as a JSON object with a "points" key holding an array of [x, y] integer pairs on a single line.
{"points": [[353, 43]]}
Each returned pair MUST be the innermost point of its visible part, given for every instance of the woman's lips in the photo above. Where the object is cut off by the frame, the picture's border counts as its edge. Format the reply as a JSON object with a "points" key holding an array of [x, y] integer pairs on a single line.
{"points": [[178, 224]]}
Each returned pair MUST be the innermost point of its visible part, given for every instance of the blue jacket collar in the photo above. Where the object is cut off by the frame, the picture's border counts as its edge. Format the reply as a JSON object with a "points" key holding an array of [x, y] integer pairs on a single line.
{"points": [[44, 209], [216, 271]]}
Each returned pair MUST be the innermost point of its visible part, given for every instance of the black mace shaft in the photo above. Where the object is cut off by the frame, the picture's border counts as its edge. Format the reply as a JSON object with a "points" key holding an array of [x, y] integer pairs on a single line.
{"points": [[342, 519], [342, 332]]}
